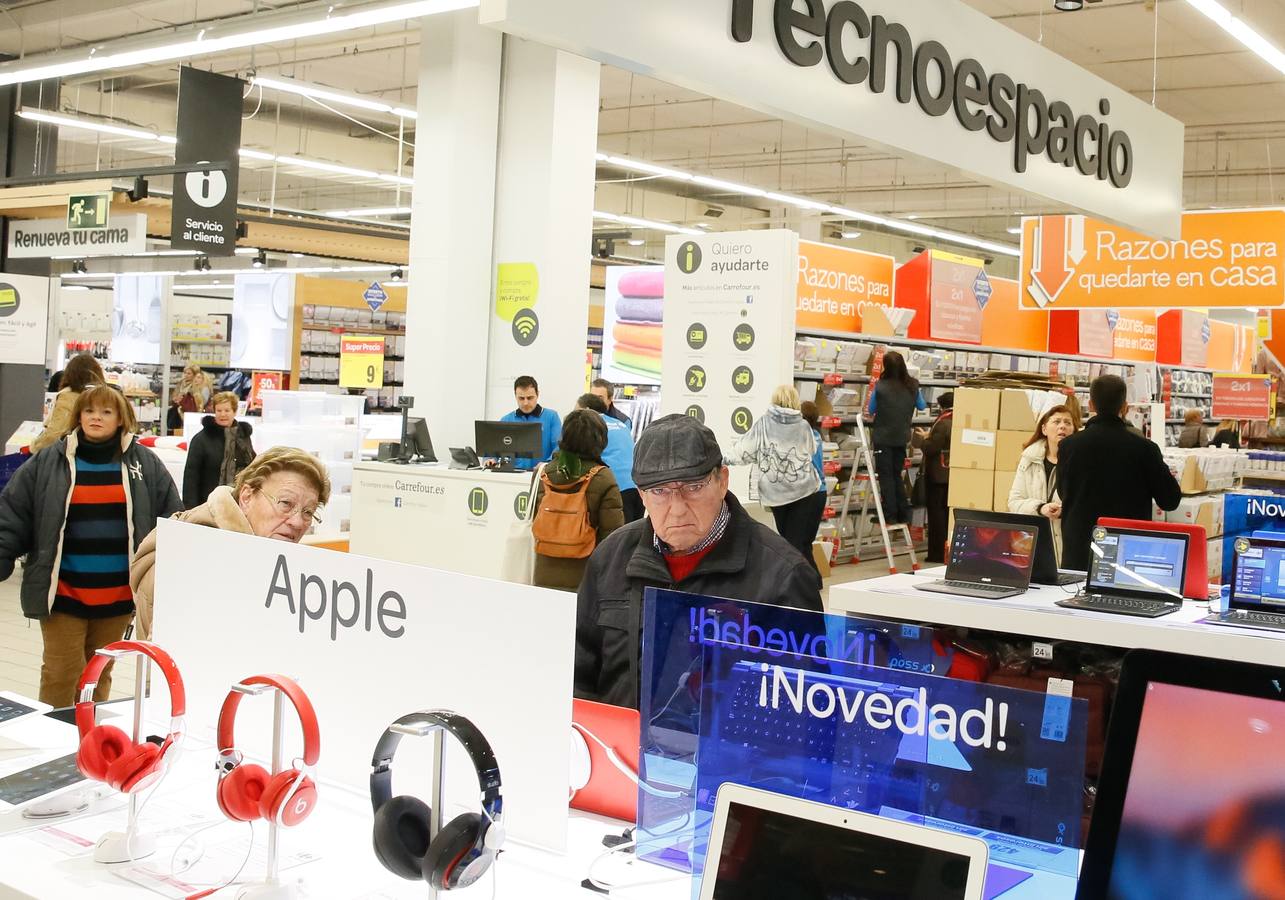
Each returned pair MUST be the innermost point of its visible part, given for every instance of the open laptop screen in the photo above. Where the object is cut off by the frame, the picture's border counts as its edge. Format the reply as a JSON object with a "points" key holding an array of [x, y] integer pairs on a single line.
{"points": [[991, 554], [769, 854], [1259, 578], [1130, 562]]}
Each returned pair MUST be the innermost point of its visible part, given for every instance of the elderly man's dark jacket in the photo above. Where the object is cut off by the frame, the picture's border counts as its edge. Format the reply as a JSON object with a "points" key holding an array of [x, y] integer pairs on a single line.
{"points": [[750, 562]]}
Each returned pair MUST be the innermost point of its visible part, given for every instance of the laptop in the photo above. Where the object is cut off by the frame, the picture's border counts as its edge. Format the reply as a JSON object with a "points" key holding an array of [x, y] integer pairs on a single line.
{"points": [[1133, 572], [604, 759], [987, 560], [1044, 570], [769, 845], [1191, 799], [1257, 598], [1197, 584]]}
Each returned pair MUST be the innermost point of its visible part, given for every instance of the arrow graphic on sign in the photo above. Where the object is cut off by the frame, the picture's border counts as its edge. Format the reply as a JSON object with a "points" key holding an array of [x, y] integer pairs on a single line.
{"points": [[1050, 272]]}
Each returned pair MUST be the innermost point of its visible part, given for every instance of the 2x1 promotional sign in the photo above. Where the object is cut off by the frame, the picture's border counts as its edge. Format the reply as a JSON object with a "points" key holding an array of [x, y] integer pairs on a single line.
{"points": [[1239, 396], [361, 361], [209, 131], [1224, 258], [957, 294]]}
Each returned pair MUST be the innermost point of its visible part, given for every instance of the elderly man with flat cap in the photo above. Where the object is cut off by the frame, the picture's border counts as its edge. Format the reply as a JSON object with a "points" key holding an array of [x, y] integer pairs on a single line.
{"points": [[696, 538]]}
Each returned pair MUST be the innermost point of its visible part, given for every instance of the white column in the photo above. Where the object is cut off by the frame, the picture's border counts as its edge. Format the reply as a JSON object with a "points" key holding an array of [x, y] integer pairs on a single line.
{"points": [[543, 218], [453, 202]]}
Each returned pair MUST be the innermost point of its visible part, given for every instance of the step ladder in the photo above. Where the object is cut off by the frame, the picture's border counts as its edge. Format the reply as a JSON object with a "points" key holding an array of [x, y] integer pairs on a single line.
{"points": [[885, 531]]}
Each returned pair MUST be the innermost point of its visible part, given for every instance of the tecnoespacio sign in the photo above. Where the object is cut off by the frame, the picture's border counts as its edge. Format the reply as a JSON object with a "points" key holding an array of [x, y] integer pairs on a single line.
{"points": [[939, 80]]}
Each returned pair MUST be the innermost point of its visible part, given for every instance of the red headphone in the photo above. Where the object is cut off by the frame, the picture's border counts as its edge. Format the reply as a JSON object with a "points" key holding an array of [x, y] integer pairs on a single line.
{"points": [[110, 755], [246, 791]]}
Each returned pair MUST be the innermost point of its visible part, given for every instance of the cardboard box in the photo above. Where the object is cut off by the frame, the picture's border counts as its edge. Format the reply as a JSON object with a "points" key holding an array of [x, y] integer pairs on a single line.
{"points": [[1016, 412], [1003, 484], [1008, 448], [972, 439], [971, 488], [821, 555]]}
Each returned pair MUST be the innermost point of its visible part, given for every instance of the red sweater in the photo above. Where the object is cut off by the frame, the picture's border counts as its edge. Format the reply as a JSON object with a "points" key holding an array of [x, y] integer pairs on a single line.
{"points": [[682, 566]]}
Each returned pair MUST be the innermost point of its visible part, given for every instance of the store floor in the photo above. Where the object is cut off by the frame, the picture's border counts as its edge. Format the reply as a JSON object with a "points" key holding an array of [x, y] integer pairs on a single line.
{"points": [[20, 643]]}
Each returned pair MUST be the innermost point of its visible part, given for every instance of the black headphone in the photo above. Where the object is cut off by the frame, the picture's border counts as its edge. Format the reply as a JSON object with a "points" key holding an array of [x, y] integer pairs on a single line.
{"points": [[466, 846]]}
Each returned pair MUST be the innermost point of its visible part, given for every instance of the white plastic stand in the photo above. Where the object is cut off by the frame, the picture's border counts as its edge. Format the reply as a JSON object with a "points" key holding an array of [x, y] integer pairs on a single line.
{"points": [[131, 844], [271, 888], [438, 792]]}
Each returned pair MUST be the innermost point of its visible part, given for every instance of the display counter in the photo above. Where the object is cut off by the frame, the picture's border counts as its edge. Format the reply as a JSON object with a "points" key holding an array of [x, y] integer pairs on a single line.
{"points": [[1035, 614], [432, 515]]}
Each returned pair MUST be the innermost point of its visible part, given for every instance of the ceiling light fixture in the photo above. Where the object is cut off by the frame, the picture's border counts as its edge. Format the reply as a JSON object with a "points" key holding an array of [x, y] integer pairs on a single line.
{"points": [[1242, 32], [202, 264], [260, 259], [78, 267], [332, 95], [368, 211], [850, 235], [1068, 5], [635, 242], [1015, 230], [202, 40], [398, 275], [644, 223]]}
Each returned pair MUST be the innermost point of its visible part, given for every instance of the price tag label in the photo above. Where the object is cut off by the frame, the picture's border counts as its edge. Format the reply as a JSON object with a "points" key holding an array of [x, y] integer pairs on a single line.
{"points": [[833, 379], [830, 422], [361, 361], [830, 468]]}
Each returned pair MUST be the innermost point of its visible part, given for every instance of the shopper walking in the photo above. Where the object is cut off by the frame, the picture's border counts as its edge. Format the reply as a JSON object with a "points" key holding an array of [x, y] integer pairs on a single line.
{"points": [[1193, 430], [935, 472], [1035, 489], [1107, 470], [82, 371], [279, 495], [893, 405], [218, 452], [577, 503], [527, 394], [78, 511], [780, 447], [816, 514], [606, 391], [619, 456]]}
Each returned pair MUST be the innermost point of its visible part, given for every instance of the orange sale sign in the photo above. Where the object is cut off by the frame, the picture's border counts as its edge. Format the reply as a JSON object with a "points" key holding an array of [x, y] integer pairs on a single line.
{"points": [[836, 284]]}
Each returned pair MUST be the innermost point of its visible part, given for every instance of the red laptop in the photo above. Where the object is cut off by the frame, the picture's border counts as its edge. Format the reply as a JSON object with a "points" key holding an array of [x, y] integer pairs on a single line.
{"points": [[1196, 584]]}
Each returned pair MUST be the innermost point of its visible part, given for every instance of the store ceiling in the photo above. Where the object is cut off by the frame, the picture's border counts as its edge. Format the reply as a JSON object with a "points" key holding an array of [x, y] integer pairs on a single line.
{"points": [[1230, 100]]}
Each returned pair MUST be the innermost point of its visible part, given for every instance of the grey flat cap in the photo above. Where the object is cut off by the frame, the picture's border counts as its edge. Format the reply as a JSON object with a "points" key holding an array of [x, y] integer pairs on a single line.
{"points": [[675, 448]]}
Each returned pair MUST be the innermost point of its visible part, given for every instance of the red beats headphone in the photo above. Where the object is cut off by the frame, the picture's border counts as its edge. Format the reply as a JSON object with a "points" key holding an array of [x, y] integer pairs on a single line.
{"points": [[108, 754], [247, 792]]}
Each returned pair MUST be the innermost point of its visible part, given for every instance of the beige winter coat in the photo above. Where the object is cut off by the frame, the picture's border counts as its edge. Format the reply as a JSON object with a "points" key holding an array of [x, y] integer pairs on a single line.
{"points": [[1030, 491], [60, 420], [220, 511]]}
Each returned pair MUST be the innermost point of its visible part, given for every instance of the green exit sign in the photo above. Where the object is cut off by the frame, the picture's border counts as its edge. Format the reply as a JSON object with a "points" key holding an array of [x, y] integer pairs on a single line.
{"points": [[88, 210]]}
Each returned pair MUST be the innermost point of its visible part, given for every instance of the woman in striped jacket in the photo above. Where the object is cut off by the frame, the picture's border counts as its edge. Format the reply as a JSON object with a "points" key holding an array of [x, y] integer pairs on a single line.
{"points": [[77, 511]]}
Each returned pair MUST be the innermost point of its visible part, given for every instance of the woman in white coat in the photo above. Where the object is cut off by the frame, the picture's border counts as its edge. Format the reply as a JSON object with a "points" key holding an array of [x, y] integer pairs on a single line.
{"points": [[1034, 490]]}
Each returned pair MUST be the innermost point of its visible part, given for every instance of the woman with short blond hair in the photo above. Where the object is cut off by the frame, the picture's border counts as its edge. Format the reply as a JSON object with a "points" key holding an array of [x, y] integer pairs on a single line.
{"points": [[278, 496]]}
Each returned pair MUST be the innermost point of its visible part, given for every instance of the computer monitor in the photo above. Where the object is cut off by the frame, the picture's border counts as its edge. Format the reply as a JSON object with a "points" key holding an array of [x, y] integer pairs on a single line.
{"points": [[509, 441], [989, 553], [1258, 575], [1044, 567], [416, 443], [769, 845], [1137, 563], [1191, 800]]}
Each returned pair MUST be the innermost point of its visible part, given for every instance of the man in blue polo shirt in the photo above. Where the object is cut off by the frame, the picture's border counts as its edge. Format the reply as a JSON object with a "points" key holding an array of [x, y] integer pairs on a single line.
{"points": [[527, 393], [618, 455]]}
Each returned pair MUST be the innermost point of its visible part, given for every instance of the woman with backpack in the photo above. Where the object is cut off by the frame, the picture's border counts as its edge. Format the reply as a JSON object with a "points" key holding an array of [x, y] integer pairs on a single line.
{"points": [[577, 503]]}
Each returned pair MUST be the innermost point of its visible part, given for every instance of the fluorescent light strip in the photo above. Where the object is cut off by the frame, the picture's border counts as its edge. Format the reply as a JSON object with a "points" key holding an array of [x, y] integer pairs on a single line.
{"points": [[180, 273], [332, 95], [208, 40], [803, 203], [1242, 32], [372, 211], [645, 223], [62, 121], [207, 287]]}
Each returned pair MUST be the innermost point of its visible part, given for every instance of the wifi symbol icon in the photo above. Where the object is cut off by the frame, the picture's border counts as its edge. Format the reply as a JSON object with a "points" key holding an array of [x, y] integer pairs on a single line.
{"points": [[526, 327]]}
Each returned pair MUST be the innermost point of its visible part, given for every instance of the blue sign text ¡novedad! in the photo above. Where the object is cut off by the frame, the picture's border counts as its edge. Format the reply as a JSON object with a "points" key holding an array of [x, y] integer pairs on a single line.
{"points": [[375, 296], [982, 289]]}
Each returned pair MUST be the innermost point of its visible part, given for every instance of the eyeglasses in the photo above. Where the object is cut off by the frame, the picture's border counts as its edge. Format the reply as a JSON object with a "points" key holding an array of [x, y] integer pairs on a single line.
{"points": [[288, 509], [690, 490]]}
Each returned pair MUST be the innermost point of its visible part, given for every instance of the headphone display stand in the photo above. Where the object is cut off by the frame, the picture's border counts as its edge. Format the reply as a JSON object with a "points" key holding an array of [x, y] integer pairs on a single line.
{"points": [[131, 844], [271, 888], [438, 793]]}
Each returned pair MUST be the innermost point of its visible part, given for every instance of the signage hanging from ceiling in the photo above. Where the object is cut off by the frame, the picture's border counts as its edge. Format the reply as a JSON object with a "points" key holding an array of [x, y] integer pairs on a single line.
{"points": [[43, 238], [88, 211], [940, 80], [209, 131]]}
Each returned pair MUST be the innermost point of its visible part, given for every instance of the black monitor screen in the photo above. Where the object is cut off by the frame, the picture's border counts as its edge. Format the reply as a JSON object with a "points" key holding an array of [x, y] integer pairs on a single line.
{"points": [[768, 855], [991, 554], [416, 441], [511, 440]]}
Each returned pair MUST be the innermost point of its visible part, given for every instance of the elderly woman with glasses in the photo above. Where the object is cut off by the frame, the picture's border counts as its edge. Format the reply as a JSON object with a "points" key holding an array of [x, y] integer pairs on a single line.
{"points": [[278, 496]]}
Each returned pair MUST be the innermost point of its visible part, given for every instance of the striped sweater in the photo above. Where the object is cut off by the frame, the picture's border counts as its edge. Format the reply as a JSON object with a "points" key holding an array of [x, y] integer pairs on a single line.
{"points": [[93, 579]]}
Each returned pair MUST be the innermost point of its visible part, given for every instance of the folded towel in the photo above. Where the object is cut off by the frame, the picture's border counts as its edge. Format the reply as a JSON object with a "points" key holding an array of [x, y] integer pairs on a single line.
{"points": [[642, 361], [641, 309], [643, 336], [642, 284]]}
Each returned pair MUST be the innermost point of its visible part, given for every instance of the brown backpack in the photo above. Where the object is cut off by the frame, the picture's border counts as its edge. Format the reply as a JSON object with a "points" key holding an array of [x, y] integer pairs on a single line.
{"points": [[561, 527]]}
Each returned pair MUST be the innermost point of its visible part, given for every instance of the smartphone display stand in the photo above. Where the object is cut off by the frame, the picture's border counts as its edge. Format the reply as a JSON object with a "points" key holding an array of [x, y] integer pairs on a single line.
{"points": [[131, 844], [438, 793]]}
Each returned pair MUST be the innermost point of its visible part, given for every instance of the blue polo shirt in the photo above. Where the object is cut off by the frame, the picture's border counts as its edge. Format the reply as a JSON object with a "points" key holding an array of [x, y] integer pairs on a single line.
{"points": [[817, 462], [550, 431], [619, 454]]}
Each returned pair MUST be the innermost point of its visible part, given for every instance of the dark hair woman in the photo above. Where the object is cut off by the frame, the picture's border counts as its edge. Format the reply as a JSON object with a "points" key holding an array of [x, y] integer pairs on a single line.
{"points": [[893, 405], [1034, 490], [584, 486]]}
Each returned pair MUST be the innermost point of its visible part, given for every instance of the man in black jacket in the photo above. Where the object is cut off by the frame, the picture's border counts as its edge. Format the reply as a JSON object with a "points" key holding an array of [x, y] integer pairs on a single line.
{"points": [[697, 538], [1108, 470]]}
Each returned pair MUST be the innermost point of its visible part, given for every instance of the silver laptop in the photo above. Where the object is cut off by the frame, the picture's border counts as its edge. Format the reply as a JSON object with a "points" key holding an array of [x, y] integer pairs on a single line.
{"points": [[768, 845], [987, 559], [1257, 597]]}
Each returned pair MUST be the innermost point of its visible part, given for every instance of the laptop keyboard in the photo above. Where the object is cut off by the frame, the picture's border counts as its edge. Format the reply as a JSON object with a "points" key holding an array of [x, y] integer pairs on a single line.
{"points": [[11, 709], [1128, 606], [1270, 620], [975, 586]]}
